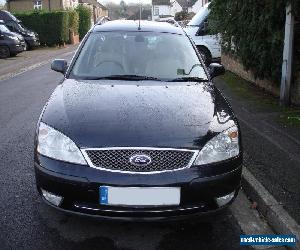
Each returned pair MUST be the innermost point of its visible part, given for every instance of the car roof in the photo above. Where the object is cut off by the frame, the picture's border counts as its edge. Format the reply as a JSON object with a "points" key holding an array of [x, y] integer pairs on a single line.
{"points": [[131, 25], [7, 16]]}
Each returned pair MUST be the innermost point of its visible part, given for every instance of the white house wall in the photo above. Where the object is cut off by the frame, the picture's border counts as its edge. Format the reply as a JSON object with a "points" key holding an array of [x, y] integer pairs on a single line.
{"points": [[164, 10], [175, 7]]}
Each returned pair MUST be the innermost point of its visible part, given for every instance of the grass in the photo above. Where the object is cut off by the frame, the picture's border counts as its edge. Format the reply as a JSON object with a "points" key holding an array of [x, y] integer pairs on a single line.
{"points": [[291, 119], [262, 101]]}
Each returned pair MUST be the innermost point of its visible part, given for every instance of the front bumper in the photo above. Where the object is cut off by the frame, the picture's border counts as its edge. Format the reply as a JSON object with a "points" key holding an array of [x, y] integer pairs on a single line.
{"points": [[79, 185], [32, 42]]}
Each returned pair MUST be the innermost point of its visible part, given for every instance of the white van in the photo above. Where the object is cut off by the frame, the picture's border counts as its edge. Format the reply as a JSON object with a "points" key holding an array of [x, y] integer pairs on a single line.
{"points": [[208, 45]]}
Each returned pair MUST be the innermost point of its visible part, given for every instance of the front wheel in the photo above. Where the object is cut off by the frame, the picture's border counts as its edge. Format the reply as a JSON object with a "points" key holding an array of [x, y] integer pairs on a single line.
{"points": [[205, 54], [4, 52]]}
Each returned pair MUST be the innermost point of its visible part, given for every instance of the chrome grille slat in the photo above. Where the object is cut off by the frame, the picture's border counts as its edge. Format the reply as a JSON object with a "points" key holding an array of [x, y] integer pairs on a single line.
{"points": [[117, 159]]}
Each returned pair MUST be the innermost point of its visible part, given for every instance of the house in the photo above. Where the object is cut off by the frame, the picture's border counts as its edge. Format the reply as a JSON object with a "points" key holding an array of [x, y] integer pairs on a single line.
{"points": [[97, 9], [48, 5], [192, 5], [168, 8], [164, 8]]}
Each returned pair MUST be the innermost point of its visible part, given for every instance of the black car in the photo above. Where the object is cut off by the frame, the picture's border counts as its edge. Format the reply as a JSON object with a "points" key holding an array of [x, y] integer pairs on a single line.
{"points": [[137, 130], [10, 43], [15, 25]]}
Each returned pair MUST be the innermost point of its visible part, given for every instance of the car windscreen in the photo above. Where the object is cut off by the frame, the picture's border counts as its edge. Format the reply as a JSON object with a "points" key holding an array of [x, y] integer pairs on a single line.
{"points": [[163, 56], [199, 17], [3, 28]]}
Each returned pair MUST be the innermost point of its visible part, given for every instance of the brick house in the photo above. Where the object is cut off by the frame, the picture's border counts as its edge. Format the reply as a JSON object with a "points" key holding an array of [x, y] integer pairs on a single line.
{"points": [[48, 5], [97, 9]]}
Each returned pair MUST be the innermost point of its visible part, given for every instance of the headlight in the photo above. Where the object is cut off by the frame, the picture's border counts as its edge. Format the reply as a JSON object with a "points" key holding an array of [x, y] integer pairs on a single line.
{"points": [[13, 38], [223, 146], [54, 144]]}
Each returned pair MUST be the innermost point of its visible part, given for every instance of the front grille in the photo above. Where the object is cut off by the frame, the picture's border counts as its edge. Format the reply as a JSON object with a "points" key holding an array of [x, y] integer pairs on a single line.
{"points": [[119, 159]]}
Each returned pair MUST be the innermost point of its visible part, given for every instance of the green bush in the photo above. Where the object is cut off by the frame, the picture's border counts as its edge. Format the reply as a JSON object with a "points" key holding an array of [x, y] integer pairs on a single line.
{"points": [[183, 15], [74, 21], [84, 20], [52, 27], [253, 31]]}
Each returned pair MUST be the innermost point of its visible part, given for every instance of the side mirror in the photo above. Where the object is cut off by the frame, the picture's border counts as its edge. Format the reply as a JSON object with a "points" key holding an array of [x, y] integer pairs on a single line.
{"points": [[203, 29], [59, 65], [216, 69]]}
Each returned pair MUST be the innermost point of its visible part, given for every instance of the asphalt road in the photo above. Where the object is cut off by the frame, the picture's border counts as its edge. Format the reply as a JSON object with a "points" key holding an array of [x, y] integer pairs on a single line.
{"points": [[27, 223]]}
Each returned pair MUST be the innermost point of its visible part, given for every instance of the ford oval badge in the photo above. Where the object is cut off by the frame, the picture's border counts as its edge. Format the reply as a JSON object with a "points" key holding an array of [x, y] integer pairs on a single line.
{"points": [[140, 160]]}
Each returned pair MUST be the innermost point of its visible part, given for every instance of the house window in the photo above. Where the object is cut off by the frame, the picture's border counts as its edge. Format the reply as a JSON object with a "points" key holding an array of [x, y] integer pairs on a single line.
{"points": [[37, 4], [156, 11]]}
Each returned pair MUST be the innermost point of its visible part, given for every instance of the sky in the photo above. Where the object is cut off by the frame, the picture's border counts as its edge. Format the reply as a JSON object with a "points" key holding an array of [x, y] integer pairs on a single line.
{"points": [[114, 1]]}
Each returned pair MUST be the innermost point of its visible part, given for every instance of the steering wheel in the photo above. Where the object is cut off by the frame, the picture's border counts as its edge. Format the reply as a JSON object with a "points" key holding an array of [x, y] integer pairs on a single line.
{"points": [[111, 61]]}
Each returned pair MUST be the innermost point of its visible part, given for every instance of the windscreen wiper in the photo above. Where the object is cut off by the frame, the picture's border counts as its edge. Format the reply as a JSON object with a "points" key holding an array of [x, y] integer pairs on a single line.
{"points": [[188, 79], [125, 77]]}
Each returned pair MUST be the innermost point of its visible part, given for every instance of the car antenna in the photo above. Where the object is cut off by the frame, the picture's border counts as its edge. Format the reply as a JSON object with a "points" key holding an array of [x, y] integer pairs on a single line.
{"points": [[139, 28]]}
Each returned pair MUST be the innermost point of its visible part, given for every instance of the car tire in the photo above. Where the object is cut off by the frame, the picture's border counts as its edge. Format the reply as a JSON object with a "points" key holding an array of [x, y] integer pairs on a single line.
{"points": [[4, 52], [205, 54]]}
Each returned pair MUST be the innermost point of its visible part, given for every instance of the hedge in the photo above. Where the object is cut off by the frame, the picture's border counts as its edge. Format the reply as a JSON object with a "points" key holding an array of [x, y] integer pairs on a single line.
{"points": [[84, 20], [253, 31], [74, 21], [52, 27], [183, 15]]}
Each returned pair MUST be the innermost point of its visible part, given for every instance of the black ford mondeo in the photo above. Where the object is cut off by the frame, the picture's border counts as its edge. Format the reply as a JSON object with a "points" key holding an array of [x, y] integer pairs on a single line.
{"points": [[137, 130]]}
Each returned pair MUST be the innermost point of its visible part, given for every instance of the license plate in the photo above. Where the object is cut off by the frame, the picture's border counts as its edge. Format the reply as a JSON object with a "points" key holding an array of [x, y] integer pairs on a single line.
{"points": [[139, 196]]}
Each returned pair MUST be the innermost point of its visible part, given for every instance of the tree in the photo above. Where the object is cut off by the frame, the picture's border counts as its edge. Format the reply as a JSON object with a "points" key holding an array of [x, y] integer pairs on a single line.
{"points": [[123, 9], [253, 31]]}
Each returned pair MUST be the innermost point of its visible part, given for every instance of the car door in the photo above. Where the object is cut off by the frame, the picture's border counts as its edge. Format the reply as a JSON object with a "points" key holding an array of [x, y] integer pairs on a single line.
{"points": [[211, 41]]}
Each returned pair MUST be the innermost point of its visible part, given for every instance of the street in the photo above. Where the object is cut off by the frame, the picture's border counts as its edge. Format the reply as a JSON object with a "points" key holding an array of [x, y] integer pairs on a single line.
{"points": [[27, 223]]}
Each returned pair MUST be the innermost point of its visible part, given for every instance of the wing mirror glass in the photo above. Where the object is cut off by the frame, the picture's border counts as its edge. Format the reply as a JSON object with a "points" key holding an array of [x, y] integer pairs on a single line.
{"points": [[216, 69], [59, 65], [203, 29]]}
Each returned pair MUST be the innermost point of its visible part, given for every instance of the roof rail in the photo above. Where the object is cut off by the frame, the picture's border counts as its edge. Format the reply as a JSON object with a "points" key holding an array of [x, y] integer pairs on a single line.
{"points": [[102, 20]]}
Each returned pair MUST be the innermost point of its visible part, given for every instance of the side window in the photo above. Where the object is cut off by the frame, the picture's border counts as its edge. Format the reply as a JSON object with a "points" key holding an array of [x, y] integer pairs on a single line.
{"points": [[11, 26]]}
